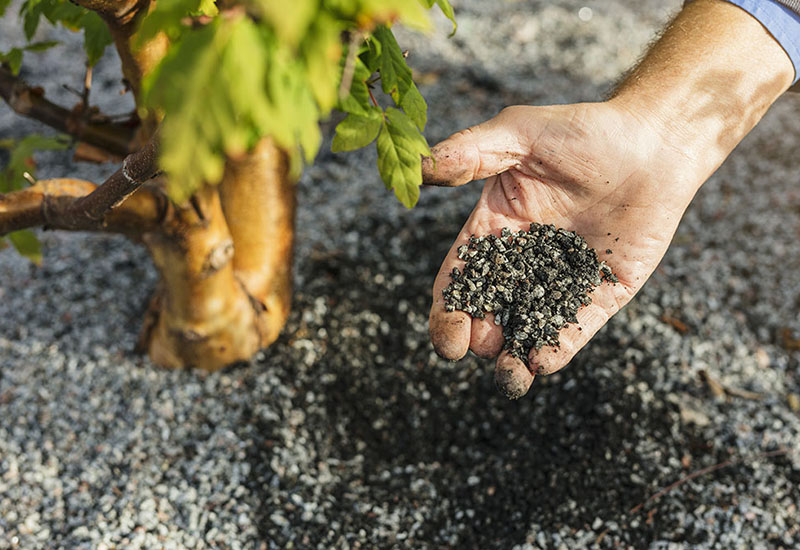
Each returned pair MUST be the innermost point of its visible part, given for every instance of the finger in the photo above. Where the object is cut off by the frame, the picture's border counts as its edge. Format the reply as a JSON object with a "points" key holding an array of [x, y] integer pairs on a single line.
{"points": [[486, 339], [449, 330], [591, 318], [511, 376], [476, 153]]}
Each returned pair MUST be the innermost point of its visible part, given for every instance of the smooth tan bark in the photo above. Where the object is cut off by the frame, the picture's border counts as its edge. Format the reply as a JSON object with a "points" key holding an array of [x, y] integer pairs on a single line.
{"points": [[225, 266], [205, 317], [258, 201]]}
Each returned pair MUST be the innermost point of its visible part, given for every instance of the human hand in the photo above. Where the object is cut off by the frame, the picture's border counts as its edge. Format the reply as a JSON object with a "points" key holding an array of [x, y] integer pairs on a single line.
{"points": [[620, 173], [591, 168]]}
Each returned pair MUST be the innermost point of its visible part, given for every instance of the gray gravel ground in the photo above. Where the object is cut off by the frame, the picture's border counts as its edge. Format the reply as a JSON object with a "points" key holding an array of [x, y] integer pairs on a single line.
{"points": [[349, 432]]}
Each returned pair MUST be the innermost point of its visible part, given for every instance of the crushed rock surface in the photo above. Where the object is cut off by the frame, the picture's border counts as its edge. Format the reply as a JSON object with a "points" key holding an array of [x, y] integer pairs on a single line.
{"points": [[350, 432]]}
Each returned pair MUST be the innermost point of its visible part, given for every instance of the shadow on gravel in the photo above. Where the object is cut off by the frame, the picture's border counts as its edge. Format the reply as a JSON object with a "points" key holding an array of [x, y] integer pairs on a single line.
{"points": [[412, 431]]}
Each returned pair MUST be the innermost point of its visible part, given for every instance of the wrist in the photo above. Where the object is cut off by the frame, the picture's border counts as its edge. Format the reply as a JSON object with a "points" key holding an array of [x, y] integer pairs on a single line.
{"points": [[704, 85]]}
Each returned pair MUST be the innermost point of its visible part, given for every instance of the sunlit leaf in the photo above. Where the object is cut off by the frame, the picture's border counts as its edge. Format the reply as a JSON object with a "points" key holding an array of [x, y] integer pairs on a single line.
{"points": [[167, 16], [95, 32], [396, 78], [322, 51], [357, 131], [446, 8], [289, 19], [400, 150]]}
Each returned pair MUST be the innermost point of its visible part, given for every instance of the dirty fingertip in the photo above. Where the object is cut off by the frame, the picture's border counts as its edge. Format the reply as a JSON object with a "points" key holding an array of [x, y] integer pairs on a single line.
{"points": [[512, 377], [428, 167], [431, 172], [450, 334]]}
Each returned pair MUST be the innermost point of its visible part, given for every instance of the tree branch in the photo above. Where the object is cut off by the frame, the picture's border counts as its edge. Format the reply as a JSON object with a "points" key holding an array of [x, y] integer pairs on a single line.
{"points": [[80, 205], [45, 203], [30, 102], [136, 169]]}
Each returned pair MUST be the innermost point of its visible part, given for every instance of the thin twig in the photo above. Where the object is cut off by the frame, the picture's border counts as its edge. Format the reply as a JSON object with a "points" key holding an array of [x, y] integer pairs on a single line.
{"points": [[29, 101], [720, 390], [693, 475], [350, 63], [703, 471], [87, 89], [87, 83], [136, 169], [197, 208]]}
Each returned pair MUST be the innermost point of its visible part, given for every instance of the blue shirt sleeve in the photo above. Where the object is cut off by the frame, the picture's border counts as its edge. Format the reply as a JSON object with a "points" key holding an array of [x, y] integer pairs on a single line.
{"points": [[781, 22]]}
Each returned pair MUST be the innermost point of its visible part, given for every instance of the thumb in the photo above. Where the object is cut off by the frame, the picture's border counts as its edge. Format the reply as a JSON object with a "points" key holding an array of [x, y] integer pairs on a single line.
{"points": [[477, 152]]}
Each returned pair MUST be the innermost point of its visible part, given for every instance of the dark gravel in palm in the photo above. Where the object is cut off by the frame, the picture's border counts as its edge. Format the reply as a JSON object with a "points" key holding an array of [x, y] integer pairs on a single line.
{"points": [[534, 282]]}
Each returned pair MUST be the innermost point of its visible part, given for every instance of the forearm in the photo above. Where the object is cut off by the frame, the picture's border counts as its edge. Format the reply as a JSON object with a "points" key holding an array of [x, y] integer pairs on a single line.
{"points": [[705, 84]]}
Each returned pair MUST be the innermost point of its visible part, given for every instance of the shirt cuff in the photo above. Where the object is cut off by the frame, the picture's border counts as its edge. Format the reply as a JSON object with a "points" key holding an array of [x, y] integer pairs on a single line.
{"points": [[781, 22]]}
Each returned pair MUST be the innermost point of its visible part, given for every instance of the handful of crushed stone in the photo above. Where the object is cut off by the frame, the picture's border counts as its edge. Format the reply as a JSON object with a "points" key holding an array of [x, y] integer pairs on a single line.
{"points": [[534, 282]]}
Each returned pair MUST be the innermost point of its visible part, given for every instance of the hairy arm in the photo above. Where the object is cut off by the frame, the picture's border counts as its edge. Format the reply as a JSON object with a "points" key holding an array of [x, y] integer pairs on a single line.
{"points": [[706, 83]]}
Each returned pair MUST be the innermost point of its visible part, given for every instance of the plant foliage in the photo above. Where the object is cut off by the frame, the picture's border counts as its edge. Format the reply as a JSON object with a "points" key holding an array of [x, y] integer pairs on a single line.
{"points": [[264, 68], [240, 71], [96, 35], [12, 178]]}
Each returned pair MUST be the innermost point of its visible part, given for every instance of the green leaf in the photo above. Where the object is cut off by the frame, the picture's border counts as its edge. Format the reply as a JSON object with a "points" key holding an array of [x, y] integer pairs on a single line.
{"points": [[407, 12], [358, 100], [167, 16], [221, 88], [396, 78], [30, 12], [289, 19], [198, 115], [400, 150], [414, 105], [96, 35], [13, 58], [27, 245], [322, 51], [357, 131], [447, 10], [21, 158], [371, 56], [41, 46], [3, 5], [208, 7]]}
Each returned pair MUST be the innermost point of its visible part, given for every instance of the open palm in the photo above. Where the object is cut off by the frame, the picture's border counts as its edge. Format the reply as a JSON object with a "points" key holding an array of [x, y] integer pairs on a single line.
{"points": [[579, 167]]}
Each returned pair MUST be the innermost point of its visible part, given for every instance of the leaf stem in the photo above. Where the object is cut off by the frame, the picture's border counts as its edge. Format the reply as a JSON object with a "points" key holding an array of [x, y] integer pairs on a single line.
{"points": [[372, 97]]}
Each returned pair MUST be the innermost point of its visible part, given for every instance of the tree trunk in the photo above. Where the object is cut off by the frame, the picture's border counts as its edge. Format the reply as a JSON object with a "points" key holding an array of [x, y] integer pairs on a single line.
{"points": [[224, 258], [225, 266]]}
